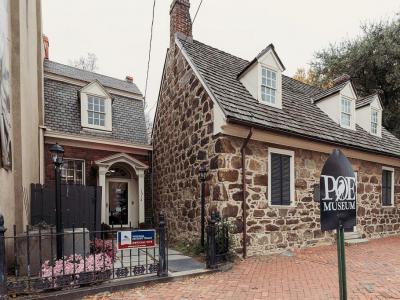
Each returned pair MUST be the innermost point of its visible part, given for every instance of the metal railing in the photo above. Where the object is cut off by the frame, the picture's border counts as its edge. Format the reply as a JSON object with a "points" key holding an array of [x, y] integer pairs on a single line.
{"points": [[87, 258], [217, 242]]}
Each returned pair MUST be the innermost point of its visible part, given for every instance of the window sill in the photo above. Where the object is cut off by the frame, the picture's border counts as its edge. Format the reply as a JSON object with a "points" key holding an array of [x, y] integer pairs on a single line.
{"points": [[282, 206], [389, 206], [94, 129]]}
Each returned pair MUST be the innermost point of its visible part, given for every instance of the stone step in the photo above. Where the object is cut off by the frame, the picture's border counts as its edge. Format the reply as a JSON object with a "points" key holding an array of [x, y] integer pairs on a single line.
{"points": [[352, 235], [355, 242]]}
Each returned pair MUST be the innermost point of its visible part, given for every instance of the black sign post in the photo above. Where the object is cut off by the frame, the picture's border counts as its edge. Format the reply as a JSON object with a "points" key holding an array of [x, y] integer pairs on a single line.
{"points": [[338, 193]]}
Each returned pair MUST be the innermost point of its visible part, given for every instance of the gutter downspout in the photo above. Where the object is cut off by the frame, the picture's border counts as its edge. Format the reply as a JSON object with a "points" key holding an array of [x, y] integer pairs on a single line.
{"points": [[244, 217]]}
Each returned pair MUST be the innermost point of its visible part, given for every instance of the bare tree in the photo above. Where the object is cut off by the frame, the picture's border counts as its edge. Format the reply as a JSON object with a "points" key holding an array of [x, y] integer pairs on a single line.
{"points": [[88, 63]]}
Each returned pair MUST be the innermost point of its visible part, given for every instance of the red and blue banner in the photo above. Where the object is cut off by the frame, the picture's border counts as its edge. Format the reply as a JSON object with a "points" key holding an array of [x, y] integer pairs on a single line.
{"points": [[136, 239]]}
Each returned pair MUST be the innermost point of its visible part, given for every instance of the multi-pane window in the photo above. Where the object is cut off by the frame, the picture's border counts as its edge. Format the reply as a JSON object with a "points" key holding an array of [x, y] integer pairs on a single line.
{"points": [[96, 111], [73, 171], [387, 187], [345, 117], [374, 121], [280, 179], [268, 86]]}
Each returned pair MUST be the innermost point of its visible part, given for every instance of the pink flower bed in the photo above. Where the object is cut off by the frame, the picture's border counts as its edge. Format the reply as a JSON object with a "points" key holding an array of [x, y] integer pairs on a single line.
{"points": [[97, 262]]}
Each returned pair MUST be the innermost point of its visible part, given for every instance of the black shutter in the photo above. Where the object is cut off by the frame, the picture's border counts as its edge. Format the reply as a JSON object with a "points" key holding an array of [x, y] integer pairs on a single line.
{"points": [[386, 187], [280, 179], [276, 176], [285, 179]]}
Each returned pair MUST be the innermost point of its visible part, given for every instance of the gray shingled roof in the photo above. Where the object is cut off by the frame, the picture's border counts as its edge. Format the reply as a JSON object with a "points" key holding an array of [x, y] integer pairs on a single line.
{"points": [[365, 101], [333, 90], [298, 116], [76, 73]]}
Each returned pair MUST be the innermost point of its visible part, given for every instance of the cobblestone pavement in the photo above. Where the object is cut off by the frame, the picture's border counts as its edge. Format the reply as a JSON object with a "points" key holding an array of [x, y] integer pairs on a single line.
{"points": [[373, 272]]}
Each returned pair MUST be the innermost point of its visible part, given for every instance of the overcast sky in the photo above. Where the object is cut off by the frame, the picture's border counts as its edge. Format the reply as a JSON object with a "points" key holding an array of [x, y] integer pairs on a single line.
{"points": [[118, 31]]}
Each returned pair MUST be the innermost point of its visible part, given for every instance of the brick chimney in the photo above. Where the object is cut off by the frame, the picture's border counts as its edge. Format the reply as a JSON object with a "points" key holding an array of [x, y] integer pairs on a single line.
{"points": [[129, 78], [46, 46], [180, 21]]}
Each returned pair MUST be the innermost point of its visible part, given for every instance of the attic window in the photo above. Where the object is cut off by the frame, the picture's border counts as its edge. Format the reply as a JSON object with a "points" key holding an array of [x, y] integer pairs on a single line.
{"points": [[374, 121], [268, 86], [345, 117], [96, 111]]}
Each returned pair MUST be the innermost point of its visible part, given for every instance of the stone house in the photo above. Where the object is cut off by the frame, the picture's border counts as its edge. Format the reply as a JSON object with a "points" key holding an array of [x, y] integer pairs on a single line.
{"points": [[100, 122], [221, 110]]}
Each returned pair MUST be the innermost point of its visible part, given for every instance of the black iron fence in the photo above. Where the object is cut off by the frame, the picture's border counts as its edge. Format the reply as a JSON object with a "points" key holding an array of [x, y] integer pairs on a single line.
{"points": [[218, 244], [88, 257]]}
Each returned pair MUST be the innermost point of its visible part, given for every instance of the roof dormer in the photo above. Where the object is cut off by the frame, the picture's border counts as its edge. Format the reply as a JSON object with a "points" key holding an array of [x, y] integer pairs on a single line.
{"points": [[369, 114], [96, 111], [339, 103], [262, 77]]}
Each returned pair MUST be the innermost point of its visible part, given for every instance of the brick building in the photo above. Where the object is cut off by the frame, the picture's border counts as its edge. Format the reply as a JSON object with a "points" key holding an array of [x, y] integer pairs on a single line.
{"points": [[100, 122], [221, 110]]}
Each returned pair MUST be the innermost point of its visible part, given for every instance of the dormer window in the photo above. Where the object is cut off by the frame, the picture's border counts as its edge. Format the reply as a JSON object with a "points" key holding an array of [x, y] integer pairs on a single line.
{"points": [[262, 77], [374, 121], [345, 117], [96, 107], [96, 111], [268, 85]]}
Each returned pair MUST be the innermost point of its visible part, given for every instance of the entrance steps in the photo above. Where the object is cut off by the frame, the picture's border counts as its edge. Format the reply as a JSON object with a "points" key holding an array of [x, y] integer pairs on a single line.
{"points": [[353, 238]]}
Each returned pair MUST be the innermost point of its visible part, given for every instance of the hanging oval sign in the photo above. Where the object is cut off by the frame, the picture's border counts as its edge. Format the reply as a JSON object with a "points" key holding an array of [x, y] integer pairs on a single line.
{"points": [[338, 193]]}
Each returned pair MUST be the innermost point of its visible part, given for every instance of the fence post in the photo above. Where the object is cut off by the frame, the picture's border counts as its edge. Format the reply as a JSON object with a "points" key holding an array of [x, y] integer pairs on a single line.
{"points": [[3, 268], [211, 246], [162, 270]]}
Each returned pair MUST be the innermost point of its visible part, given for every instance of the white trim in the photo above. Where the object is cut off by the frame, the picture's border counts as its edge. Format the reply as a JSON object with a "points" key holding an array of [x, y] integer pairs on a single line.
{"points": [[122, 157], [292, 170], [82, 83], [105, 96], [105, 141], [352, 112], [390, 169]]}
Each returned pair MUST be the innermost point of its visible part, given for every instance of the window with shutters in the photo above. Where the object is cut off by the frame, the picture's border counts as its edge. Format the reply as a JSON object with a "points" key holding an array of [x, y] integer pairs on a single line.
{"points": [[387, 186], [281, 177]]}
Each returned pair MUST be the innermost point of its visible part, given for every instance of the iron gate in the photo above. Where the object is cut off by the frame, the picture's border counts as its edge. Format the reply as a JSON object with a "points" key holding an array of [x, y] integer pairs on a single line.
{"points": [[88, 257]]}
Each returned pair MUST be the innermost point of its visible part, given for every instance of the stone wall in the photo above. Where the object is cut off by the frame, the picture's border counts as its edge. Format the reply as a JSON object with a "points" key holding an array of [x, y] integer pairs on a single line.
{"points": [[182, 140], [274, 229]]}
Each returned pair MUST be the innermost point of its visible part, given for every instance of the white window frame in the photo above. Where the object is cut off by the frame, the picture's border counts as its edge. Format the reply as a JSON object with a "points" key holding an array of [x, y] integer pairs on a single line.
{"points": [[292, 179], [350, 114], [85, 108], [390, 169], [99, 112], [83, 169], [270, 87], [278, 87], [373, 110]]}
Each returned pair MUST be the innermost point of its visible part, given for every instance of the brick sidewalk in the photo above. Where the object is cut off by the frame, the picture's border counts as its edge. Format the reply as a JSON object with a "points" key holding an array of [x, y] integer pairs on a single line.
{"points": [[373, 272]]}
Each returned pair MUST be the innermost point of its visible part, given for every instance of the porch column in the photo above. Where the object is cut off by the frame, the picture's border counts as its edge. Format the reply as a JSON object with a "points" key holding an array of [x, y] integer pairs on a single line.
{"points": [[102, 183], [140, 174]]}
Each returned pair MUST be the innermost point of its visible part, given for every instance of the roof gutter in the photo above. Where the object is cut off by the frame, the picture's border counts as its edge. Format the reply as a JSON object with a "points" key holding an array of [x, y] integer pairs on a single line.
{"points": [[234, 120], [244, 203]]}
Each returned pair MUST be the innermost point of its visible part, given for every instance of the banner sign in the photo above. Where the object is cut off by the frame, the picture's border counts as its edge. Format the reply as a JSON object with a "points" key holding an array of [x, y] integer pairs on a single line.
{"points": [[136, 239], [338, 193]]}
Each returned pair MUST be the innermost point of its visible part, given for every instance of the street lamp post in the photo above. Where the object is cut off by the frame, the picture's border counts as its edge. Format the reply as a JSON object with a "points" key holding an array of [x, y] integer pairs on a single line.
{"points": [[202, 178], [57, 153]]}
